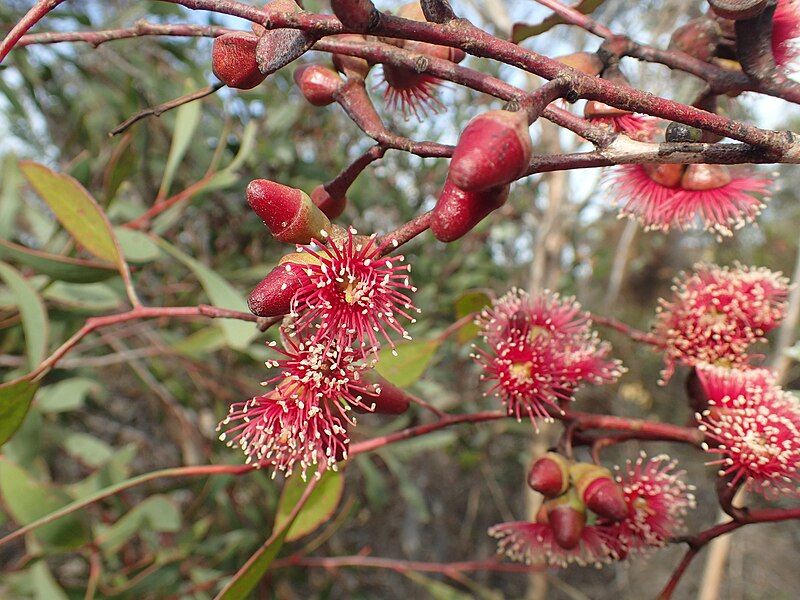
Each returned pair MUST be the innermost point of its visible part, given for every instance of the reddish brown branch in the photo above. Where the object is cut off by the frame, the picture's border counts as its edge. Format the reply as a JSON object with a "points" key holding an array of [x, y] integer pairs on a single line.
{"points": [[33, 16], [403, 566]]}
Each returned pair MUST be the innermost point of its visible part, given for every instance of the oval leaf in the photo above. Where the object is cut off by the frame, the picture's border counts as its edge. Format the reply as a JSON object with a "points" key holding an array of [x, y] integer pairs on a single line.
{"points": [[471, 301], [410, 362], [60, 268], [15, 399], [318, 508], [75, 209], [238, 334], [32, 311], [26, 500]]}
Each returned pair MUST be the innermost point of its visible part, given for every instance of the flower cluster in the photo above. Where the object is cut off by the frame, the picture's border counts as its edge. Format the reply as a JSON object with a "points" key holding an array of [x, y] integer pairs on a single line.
{"points": [[670, 195], [716, 313], [540, 349], [345, 298], [657, 500], [753, 426]]}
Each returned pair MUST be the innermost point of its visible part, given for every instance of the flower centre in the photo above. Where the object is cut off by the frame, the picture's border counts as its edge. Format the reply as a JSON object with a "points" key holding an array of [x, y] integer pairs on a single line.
{"points": [[521, 372]]}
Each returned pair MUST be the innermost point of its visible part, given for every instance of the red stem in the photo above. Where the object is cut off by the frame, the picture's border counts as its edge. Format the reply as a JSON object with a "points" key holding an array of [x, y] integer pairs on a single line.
{"points": [[33, 16]]}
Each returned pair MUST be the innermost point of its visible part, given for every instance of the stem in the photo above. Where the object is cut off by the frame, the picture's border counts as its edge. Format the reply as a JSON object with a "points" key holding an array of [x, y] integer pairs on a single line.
{"points": [[33, 16], [119, 487]]}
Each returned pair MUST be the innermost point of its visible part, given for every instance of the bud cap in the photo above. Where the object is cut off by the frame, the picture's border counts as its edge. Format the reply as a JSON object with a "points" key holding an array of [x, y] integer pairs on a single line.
{"points": [[287, 212]]}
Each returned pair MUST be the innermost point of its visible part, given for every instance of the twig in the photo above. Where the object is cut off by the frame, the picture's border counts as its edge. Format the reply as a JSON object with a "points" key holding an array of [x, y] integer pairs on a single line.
{"points": [[33, 16], [158, 110]]}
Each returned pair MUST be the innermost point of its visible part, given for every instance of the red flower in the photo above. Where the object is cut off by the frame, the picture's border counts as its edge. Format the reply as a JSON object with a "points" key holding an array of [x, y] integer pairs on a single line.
{"points": [[540, 349], [785, 29], [535, 544], [666, 196], [637, 127], [754, 427], [658, 499], [278, 430], [411, 92], [350, 294], [716, 313], [303, 419]]}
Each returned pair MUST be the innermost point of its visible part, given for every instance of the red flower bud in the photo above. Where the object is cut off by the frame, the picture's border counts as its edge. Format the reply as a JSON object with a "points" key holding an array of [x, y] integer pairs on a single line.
{"points": [[594, 109], [278, 47], [668, 175], [317, 83], [287, 212], [332, 207], [273, 296], [233, 60], [549, 475], [457, 212], [705, 177], [386, 398], [699, 38], [598, 490], [360, 15], [585, 62], [351, 65], [567, 517], [737, 9], [494, 148]]}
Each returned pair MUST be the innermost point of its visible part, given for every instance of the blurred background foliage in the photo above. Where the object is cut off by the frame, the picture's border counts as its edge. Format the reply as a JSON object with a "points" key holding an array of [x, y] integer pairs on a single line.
{"points": [[143, 396]]}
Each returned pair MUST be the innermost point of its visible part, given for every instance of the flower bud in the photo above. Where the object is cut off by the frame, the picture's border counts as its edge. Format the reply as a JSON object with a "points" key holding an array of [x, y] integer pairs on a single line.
{"points": [[699, 38], [567, 517], [737, 10], [595, 109], [332, 207], [705, 177], [666, 174], [360, 15], [457, 212], [317, 83], [549, 475], [287, 212], [233, 60], [273, 296], [494, 148], [598, 490], [585, 62], [278, 47], [386, 398], [351, 65]]}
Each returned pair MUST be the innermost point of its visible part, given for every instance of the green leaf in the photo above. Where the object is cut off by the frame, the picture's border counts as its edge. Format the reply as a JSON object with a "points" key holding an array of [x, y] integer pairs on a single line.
{"points": [[66, 395], [186, 121], [10, 197], [522, 31], [201, 342], [137, 247], [55, 266], [437, 590], [33, 313], [87, 297], [318, 508], [472, 301], [410, 362], [88, 449], [238, 334], [44, 585], [26, 500], [75, 209], [251, 573], [15, 399], [157, 513]]}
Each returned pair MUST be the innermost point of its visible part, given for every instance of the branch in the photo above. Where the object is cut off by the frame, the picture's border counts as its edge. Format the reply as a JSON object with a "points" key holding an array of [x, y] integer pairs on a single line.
{"points": [[33, 16], [158, 110], [403, 566]]}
